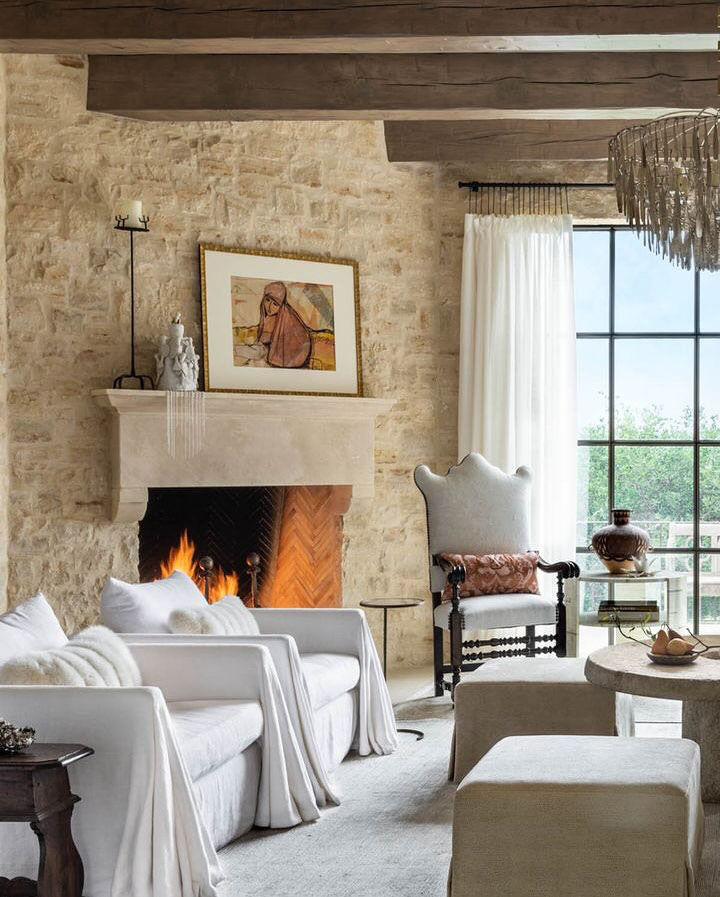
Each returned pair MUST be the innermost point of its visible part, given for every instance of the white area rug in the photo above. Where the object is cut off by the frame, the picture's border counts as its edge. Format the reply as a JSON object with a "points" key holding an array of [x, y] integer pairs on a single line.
{"points": [[390, 837]]}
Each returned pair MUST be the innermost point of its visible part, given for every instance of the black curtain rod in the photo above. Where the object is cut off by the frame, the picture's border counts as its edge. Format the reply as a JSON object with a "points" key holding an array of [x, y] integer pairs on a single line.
{"points": [[474, 186]]}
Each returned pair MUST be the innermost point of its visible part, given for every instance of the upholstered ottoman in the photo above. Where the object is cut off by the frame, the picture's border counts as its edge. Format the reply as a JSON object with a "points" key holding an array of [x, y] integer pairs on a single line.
{"points": [[579, 816], [531, 696]]}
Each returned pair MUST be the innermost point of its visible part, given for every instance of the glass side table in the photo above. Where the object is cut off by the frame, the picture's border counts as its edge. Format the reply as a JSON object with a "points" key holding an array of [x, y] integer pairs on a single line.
{"points": [[669, 586], [387, 604]]}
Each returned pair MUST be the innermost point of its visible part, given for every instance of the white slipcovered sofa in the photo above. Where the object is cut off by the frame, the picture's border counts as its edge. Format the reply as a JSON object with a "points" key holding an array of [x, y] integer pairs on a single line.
{"points": [[325, 659], [187, 761]]}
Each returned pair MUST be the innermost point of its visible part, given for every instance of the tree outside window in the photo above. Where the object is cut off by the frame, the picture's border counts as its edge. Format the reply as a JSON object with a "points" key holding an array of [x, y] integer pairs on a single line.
{"points": [[649, 408]]}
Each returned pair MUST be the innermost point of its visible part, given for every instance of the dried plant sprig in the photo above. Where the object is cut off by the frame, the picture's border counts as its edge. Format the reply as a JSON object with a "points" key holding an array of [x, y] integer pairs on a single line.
{"points": [[699, 641], [649, 634]]}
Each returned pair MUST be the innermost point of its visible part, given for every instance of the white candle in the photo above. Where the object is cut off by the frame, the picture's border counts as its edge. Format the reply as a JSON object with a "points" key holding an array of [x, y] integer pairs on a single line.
{"points": [[132, 210]]}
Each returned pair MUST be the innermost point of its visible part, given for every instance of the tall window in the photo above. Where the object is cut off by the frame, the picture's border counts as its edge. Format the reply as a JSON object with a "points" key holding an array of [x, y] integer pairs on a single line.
{"points": [[649, 407]]}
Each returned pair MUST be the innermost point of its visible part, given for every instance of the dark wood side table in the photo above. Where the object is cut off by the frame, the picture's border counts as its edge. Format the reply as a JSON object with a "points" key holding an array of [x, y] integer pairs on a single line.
{"points": [[387, 604], [34, 788]]}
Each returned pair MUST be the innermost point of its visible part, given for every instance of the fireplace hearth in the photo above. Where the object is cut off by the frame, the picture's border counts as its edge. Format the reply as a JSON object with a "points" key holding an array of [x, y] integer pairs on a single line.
{"points": [[226, 524], [295, 530]]}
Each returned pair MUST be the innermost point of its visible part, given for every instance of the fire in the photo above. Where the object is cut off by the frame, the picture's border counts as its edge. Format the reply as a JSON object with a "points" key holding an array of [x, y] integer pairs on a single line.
{"points": [[182, 558], [223, 584]]}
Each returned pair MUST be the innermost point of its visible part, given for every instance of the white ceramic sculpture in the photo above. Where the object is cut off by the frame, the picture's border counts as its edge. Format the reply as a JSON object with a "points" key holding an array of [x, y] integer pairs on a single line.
{"points": [[177, 367], [176, 361], [643, 563]]}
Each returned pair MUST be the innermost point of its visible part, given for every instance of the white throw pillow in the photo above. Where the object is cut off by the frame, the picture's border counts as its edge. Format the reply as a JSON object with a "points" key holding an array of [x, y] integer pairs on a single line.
{"points": [[229, 616], [146, 606], [31, 626], [95, 656]]}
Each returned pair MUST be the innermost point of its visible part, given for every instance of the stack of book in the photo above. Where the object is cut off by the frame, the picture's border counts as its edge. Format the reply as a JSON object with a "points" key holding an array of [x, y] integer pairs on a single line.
{"points": [[628, 611]]}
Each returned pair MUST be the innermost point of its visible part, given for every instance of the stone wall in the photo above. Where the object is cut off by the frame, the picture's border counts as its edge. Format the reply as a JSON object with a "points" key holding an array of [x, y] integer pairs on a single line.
{"points": [[323, 188], [4, 477]]}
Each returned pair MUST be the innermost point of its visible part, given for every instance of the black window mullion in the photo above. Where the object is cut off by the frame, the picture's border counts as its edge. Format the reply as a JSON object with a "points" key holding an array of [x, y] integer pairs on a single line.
{"points": [[611, 385], [681, 550], [696, 442], [714, 443], [681, 334], [696, 612]]}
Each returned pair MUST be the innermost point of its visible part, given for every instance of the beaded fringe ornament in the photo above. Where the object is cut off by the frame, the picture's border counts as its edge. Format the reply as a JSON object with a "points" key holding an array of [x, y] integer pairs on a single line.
{"points": [[185, 422], [667, 180]]}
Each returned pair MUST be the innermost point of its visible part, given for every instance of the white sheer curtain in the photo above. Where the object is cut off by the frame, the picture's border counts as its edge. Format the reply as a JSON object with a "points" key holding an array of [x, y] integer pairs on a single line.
{"points": [[517, 362]]}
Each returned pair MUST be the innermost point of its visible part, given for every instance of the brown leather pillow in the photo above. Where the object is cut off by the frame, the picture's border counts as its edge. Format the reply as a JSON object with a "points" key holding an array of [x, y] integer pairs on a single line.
{"points": [[495, 574]]}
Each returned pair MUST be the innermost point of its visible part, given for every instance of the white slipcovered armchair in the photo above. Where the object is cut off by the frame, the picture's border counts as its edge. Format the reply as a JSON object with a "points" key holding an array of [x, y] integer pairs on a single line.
{"points": [[183, 764], [325, 659], [330, 643], [478, 509]]}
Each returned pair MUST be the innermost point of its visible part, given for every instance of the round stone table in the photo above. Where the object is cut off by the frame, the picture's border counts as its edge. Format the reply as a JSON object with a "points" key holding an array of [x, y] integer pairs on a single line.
{"points": [[627, 668]]}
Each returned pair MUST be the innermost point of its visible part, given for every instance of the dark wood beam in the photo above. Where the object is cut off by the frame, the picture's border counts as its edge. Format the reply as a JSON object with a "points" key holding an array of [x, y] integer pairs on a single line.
{"points": [[186, 26], [573, 85], [500, 140]]}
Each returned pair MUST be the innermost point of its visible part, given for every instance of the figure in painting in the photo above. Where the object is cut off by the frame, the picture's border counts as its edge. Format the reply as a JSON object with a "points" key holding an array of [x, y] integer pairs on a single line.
{"points": [[283, 339]]}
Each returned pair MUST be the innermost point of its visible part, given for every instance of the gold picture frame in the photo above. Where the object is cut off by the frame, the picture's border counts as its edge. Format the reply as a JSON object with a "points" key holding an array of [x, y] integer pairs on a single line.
{"points": [[280, 323]]}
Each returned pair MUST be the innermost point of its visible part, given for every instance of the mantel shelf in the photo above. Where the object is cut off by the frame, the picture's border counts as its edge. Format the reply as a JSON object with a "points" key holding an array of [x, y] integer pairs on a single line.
{"points": [[237, 404], [252, 440]]}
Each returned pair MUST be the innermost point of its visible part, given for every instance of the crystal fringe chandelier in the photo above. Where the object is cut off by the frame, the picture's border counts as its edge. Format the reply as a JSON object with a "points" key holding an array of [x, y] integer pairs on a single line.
{"points": [[667, 180]]}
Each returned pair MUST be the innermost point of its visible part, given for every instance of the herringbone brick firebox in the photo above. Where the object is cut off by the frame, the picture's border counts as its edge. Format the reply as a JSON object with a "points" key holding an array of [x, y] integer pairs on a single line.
{"points": [[295, 530]]}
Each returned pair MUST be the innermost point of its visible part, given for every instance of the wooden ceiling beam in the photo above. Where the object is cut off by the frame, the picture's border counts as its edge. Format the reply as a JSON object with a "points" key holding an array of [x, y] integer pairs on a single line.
{"points": [[229, 26], [373, 86], [500, 140]]}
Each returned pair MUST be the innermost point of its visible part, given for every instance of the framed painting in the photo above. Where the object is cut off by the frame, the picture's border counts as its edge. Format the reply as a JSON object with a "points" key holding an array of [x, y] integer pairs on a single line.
{"points": [[280, 323]]}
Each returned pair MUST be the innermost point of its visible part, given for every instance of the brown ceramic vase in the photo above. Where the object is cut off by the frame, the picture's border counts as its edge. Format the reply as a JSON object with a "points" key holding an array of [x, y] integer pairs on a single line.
{"points": [[618, 543]]}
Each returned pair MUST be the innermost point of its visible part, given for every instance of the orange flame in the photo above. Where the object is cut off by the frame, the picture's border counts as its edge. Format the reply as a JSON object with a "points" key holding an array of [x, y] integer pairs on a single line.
{"points": [[182, 558]]}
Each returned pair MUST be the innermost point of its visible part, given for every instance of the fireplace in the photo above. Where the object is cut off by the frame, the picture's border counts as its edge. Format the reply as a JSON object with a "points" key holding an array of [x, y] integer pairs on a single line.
{"points": [[296, 532], [277, 482]]}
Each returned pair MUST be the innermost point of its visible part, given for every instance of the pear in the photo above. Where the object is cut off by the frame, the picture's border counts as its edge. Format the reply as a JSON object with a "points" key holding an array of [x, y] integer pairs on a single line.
{"points": [[678, 647], [672, 633], [661, 643]]}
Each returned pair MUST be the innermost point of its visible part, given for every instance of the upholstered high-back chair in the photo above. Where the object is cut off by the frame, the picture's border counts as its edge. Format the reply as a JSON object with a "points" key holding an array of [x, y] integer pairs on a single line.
{"points": [[477, 509]]}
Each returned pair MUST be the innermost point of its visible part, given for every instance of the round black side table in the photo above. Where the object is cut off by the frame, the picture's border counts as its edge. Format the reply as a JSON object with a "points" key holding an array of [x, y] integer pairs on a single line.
{"points": [[387, 604]]}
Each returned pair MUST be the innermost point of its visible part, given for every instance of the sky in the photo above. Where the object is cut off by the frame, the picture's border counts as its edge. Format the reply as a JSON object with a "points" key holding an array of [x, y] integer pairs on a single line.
{"points": [[652, 296]]}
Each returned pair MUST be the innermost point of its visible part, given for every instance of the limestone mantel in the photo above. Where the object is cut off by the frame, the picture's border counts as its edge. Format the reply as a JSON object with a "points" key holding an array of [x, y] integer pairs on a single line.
{"points": [[252, 440]]}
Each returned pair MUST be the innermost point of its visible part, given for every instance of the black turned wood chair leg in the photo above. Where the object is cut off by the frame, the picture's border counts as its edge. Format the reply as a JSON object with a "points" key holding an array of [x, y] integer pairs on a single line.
{"points": [[438, 661], [455, 623], [530, 640], [561, 618]]}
